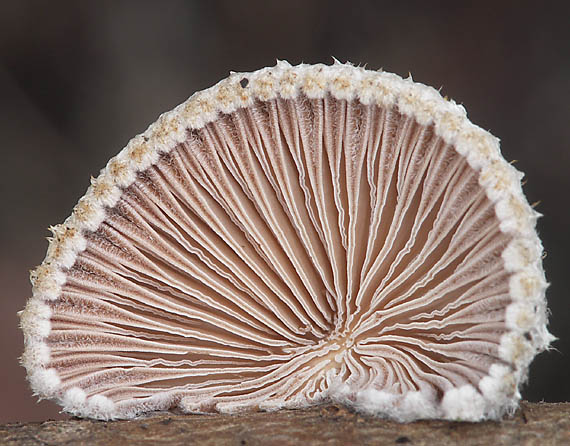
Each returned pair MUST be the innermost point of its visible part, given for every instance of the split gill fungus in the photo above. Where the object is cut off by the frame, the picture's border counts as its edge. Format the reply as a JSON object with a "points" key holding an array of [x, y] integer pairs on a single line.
{"points": [[290, 236]]}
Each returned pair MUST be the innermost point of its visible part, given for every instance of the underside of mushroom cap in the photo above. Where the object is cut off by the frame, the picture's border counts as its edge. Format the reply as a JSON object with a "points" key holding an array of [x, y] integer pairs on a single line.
{"points": [[289, 236]]}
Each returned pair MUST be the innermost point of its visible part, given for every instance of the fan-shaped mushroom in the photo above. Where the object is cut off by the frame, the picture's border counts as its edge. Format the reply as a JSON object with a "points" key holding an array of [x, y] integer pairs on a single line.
{"points": [[288, 236]]}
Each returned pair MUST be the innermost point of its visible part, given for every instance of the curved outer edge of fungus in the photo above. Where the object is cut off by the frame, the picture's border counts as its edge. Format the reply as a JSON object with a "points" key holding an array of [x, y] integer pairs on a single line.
{"points": [[526, 316]]}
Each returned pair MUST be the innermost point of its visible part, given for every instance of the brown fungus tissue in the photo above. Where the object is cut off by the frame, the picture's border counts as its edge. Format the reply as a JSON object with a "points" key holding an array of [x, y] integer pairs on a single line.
{"points": [[292, 236]]}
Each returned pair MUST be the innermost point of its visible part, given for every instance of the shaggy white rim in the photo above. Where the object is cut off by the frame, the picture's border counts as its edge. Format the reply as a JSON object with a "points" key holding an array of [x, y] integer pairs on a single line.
{"points": [[526, 316]]}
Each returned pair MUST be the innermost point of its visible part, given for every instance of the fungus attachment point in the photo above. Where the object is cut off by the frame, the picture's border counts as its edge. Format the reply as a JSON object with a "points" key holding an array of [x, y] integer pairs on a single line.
{"points": [[327, 233]]}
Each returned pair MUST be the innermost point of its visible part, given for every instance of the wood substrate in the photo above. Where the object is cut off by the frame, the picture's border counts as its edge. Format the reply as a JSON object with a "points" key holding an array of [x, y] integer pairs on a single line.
{"points": [[533, 424]]}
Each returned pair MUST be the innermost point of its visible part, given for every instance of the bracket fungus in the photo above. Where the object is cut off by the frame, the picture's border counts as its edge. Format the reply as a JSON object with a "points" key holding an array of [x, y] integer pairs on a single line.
{"points": [[289, 236]]}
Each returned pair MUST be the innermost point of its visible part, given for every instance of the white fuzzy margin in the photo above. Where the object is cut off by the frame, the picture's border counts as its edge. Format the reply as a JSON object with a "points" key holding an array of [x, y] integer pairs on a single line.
{"points": [[526, 317]]}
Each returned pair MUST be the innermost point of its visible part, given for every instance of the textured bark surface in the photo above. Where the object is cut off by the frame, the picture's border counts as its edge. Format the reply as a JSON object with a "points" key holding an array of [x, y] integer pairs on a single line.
{"points": [[533, 424]]}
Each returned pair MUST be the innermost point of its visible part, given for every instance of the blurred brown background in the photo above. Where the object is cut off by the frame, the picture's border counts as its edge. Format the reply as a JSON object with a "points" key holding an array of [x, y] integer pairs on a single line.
{"points": [[79, 79]]}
